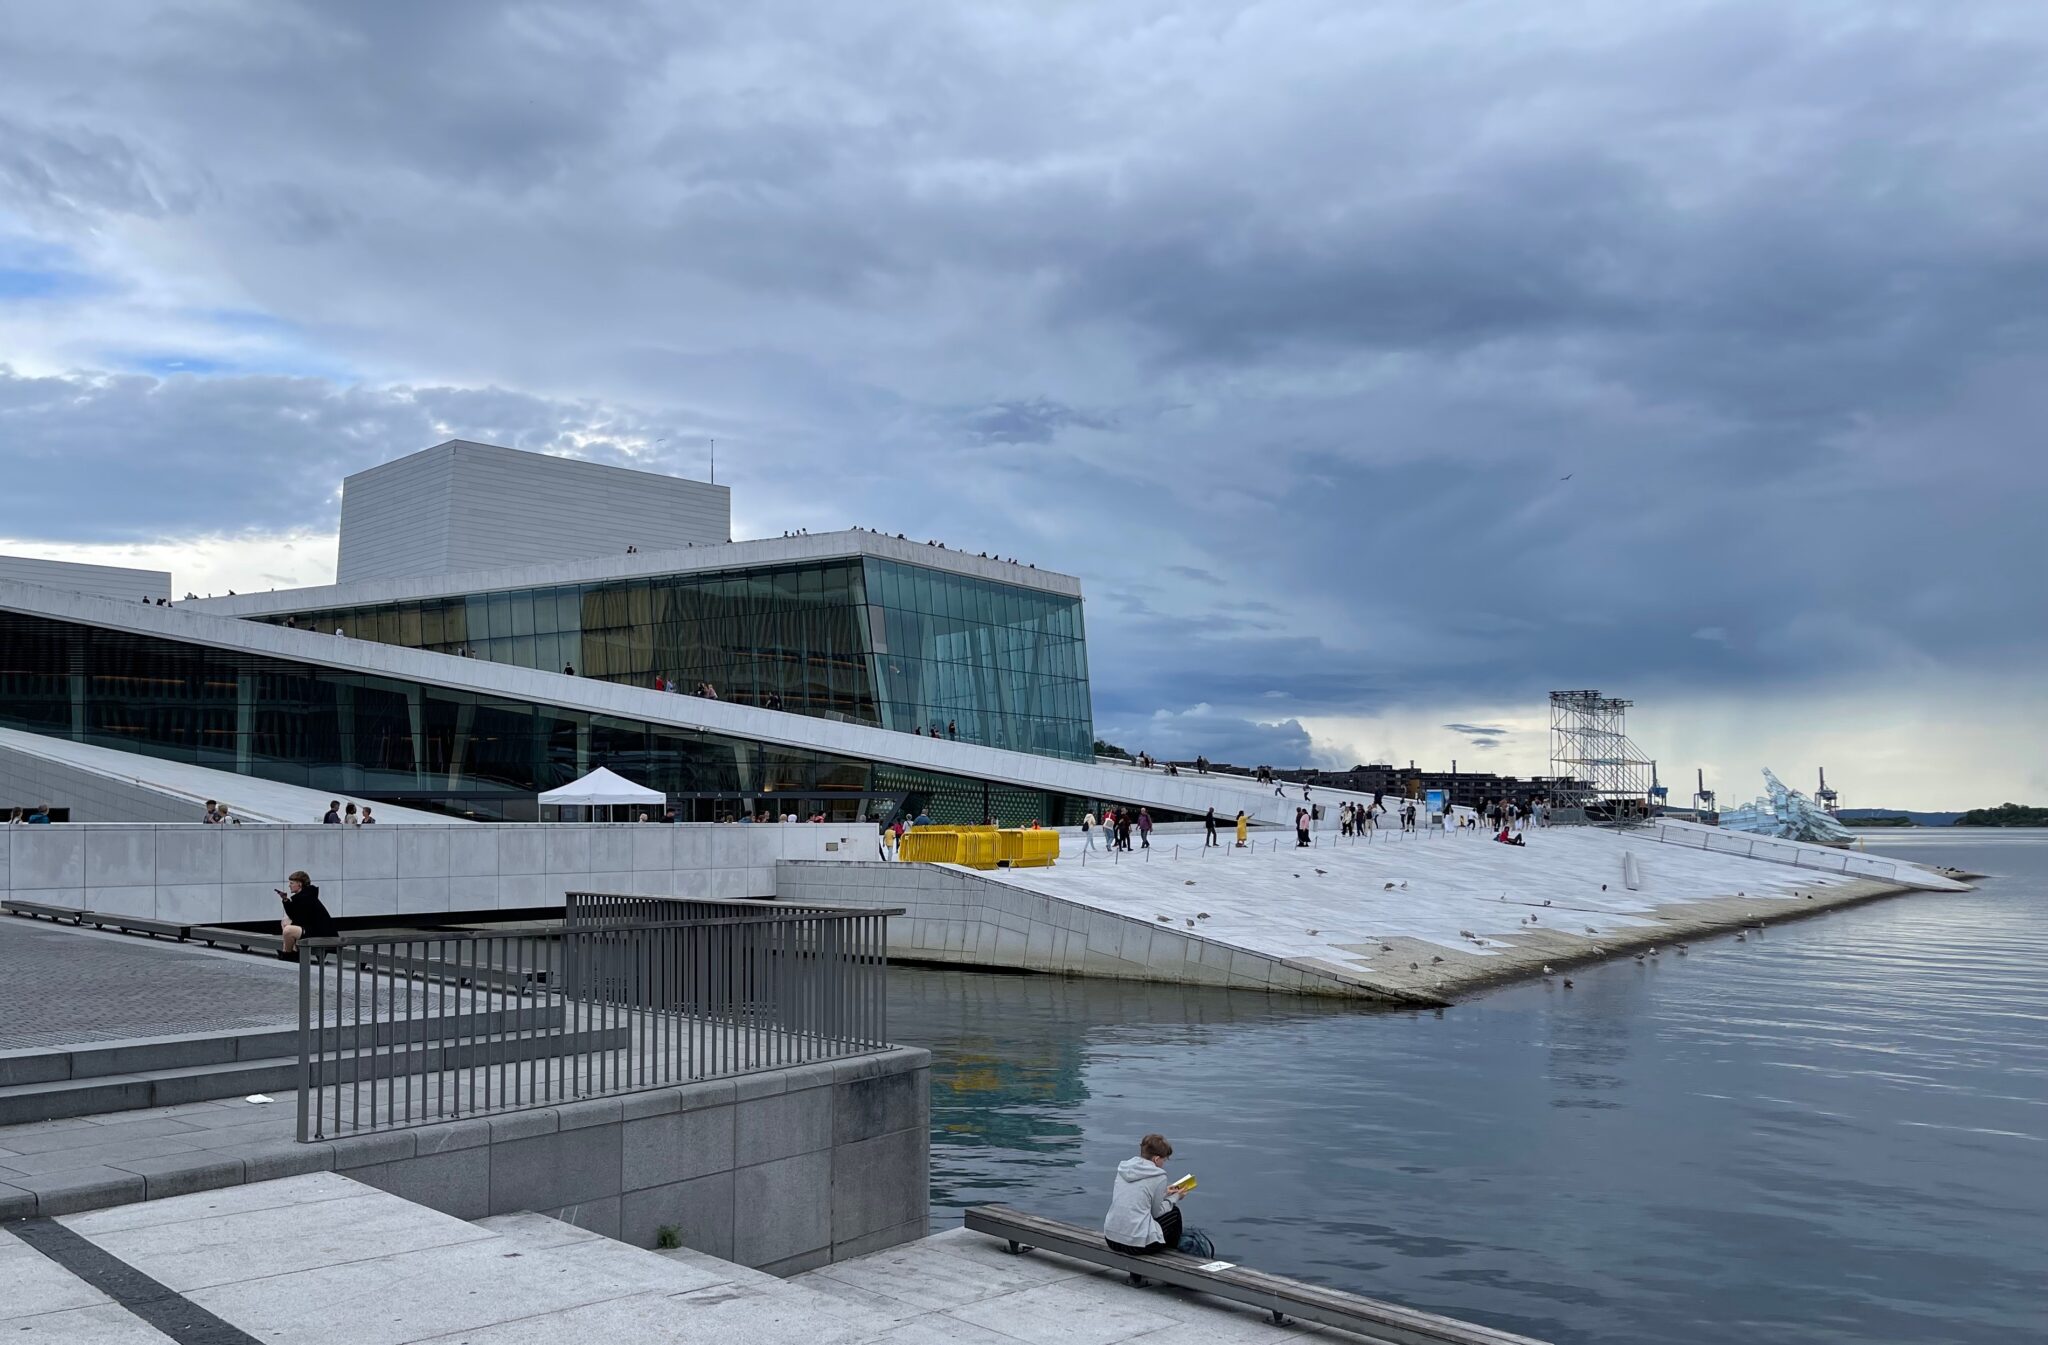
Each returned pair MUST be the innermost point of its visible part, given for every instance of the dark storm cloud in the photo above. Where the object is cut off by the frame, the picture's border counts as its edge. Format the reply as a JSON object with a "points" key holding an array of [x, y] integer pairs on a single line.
{"points": [[1036, 421], [1290, 321]]}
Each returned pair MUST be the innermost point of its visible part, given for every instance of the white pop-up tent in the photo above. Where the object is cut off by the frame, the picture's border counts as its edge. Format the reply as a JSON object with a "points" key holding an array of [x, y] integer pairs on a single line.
{"points": [[603, 789]]}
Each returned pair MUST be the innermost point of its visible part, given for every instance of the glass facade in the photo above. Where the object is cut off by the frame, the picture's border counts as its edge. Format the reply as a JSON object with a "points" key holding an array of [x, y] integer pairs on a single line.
{"points": [[430, 747], [864, 640]]}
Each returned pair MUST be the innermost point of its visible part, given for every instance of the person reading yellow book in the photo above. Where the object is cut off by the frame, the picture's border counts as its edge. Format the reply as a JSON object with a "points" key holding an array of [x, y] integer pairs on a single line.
{"points": [[1144, 1209]]}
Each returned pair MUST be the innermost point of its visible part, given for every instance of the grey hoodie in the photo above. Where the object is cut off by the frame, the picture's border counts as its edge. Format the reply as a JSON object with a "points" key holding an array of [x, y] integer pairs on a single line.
{"points": [[1136, 1202]]}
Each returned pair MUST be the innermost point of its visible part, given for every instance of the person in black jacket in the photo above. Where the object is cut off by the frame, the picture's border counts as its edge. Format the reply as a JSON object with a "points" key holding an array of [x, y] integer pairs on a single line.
{"points": [[304, 915]]}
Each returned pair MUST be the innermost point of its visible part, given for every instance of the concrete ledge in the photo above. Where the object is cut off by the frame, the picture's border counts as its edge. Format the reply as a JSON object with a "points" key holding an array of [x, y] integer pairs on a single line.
{"points": [[785, 1170]]}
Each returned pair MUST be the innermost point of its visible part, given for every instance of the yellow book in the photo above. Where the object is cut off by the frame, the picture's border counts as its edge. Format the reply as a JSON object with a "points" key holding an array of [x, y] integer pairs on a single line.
{"points": [[1183, 1186]]}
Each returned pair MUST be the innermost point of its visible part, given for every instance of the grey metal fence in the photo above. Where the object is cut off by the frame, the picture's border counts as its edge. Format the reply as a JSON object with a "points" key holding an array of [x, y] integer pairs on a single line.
{"points": [[399, 1030]]}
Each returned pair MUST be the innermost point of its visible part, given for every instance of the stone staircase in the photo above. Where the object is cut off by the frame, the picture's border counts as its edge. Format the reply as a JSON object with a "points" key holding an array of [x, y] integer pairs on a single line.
{"points": [[48, 1085]]}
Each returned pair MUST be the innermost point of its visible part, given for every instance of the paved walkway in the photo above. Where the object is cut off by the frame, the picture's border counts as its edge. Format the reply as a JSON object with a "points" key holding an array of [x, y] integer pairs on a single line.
{"points": [[320, 1258], [65, 987]]}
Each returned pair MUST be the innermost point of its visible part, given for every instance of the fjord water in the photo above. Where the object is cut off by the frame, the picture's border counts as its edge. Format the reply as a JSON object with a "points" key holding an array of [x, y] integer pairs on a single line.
{"points": [[1833, 1131]]}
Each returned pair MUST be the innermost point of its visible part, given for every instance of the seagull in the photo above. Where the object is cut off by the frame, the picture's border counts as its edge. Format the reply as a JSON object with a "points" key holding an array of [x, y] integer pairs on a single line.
{"points": [[1567, 476], [1653, 950], [1467, 934], [1603, 887], [1191, 924], [1404, 884], [1322, 871], [1567, 982], [1591, 930], [1546, 969], [1314, 932], [1546, 903], [1742, 938], [1165, 919], [1532, 919], [1201, 915], [1415, 966], [1639, 957], [1435, 960], [1187, 882], [1681, 950], [1388, 888], [1386, 947]]}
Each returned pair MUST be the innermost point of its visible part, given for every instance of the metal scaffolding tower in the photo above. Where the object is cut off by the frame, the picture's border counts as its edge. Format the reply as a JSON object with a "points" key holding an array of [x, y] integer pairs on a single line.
{"points": [[1589, 744]]}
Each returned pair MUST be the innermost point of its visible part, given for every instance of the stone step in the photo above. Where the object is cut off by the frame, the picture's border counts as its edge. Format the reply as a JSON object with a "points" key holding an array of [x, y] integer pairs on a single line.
{"points": [[221, 1048], [53, 1100]]}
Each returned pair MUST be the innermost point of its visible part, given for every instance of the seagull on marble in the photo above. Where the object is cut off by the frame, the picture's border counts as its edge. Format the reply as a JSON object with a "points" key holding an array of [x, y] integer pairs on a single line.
{"points": [[1388, 888], [1314, 932], [1435, 960], [1191, 924], [1567, 982], [1201, 915], [1741, 937], [1546, 969]]}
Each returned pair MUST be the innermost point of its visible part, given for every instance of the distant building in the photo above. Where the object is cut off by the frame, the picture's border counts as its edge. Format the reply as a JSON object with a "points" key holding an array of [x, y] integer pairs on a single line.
{"points": [[1464, 788]]}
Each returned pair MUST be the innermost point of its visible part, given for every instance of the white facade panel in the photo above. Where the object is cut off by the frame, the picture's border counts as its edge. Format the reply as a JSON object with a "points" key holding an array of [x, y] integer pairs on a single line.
{"points": [[466, 506], [105, 581]]}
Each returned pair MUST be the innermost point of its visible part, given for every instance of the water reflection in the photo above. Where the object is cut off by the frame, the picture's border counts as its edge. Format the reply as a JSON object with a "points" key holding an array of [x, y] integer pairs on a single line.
{"points": [[1835, 1132]]}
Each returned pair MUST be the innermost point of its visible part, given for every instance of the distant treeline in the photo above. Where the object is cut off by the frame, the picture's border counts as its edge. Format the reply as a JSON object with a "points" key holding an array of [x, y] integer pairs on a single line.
{"points": [[1895, 820], [2005, 815]]}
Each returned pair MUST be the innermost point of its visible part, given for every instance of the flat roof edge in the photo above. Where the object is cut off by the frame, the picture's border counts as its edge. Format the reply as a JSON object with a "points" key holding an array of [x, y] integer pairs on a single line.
{"points": [[757, 553]]}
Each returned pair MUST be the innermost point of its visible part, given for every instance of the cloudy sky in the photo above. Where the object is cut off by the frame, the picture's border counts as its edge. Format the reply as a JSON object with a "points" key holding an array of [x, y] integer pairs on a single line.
{"points": [[1378, 366]]}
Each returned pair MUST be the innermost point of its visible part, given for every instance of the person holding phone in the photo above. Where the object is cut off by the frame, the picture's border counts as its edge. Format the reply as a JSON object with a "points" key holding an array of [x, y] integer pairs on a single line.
{"points": [[304, 915], [1144, 1208]]}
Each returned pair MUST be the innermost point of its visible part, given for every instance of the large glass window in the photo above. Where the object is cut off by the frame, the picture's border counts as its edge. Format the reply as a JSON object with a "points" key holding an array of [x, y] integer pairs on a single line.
{"points": [[433, 747], [877, 642]]}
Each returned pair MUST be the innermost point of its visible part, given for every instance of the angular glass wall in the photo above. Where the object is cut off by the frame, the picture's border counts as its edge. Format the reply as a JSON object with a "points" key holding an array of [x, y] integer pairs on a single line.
{"points": [[899, 646], [997, 664], [425, 746], [786, 639]]}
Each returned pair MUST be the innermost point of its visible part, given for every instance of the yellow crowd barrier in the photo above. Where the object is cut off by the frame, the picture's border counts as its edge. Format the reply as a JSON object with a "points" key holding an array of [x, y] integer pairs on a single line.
{"points": [[979, 847]]}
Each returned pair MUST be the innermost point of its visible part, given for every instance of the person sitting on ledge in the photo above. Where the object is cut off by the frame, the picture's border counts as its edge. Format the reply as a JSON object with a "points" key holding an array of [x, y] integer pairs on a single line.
{"points": [[1144, 1211], [304, 915], [1506, 838]]}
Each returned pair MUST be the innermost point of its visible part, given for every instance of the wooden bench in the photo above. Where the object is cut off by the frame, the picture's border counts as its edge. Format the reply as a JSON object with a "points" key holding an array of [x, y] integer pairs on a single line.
{"points": [[135, 924], [248, 940], [36, 910], [1274, 1294], [127, 924]]}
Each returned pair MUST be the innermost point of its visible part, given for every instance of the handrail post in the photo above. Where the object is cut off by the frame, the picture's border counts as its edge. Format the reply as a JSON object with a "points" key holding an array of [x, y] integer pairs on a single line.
{"points": [[305, 1043]]}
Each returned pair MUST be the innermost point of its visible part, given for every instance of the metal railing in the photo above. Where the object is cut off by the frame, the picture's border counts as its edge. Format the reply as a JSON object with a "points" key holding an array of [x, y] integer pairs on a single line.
{"points": [[399, 1030]]}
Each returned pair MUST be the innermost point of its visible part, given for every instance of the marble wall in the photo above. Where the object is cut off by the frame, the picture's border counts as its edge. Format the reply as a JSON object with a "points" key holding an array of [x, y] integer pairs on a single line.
{"points": [[197, 874]]}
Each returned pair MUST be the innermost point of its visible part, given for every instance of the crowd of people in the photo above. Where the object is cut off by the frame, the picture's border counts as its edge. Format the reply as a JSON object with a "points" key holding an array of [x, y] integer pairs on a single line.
{"points": [[38, 815], [1116, 826]]}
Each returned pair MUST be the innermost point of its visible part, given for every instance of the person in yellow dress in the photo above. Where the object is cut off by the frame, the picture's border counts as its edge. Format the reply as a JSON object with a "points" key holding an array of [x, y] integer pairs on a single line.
{"points": [[1244, 827]]}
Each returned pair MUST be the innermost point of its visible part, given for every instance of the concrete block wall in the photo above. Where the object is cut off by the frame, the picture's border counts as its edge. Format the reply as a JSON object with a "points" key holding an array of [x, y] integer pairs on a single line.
{"points": [[962, 917], [783, 1171], [198, 874]]}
